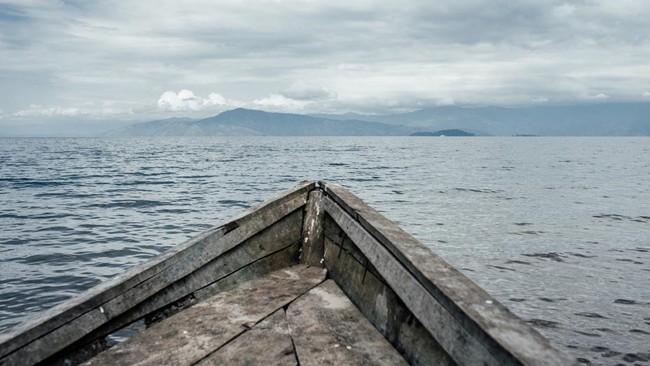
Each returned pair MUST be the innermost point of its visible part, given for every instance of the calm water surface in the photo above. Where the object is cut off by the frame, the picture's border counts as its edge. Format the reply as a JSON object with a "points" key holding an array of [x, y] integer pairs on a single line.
{"points": [[557, 229]]}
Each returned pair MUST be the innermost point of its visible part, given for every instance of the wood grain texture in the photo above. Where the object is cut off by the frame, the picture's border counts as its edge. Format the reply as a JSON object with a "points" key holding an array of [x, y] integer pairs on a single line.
{"points": [[91, 299], [240, 265], [312, 237], [508, 338], [195, 333], [267, 343], [67, 323], [382, 307], [447, 331], [327, 329]]}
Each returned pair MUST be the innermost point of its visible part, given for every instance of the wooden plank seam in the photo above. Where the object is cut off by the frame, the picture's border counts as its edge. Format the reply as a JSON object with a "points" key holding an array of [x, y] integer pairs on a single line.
{"points": [[197, 292], [167, 266], [247, 327], [456, 328]]}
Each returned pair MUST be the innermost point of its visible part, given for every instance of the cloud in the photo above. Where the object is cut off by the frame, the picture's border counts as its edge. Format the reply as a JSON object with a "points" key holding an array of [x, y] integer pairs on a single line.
{"points": [[599, 96], [304, 91], [35, 110], [183, 101], [646, 94], [280, 103], [186, 100], [89, 111], [377, 56]]}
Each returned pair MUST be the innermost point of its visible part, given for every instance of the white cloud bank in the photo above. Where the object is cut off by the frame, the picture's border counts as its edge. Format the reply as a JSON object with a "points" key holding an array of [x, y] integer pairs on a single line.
{"points": [[90, 111], [331, 56], [280, 103], [36, 110], [186, 101], [299, 97]]}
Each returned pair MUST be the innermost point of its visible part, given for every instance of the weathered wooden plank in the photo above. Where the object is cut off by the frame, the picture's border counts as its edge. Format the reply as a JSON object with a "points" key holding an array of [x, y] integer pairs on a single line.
{"points": [[63, 313], [450, 334], [327, 328], [194, 333], [283, 258], [195, 260], [312, 251], [60, 337], [267, 343], [337, 237], [383, 308], [92, 298], [261, 254], [279, 235], [487, 320]]}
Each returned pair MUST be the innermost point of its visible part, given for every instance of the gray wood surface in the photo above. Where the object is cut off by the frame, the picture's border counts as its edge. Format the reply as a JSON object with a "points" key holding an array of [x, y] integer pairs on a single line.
{"points": [[448, 332], [267, 343], [283, 258], [383, 308], [282, 234], [312, 252], [471, 326], [327, 329], [196, 332], [259, 255], [67, 323], [69, 310], [506, 336]]}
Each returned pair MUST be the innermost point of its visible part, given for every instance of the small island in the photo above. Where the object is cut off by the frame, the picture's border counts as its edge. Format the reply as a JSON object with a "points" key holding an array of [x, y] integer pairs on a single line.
{"points": [[453, 132]]}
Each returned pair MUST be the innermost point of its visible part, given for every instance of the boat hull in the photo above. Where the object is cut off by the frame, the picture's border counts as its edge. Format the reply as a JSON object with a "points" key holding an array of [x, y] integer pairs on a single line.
{"points": [[428, 311]]}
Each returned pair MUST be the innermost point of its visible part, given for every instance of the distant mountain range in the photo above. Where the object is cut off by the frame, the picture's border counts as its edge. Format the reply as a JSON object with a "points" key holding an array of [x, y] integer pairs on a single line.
{"points": [[247, 122], [612, 119], [453, 133], [605, 119]]}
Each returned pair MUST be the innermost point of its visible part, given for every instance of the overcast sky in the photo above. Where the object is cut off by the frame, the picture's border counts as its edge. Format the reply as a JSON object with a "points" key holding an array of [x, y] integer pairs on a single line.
{"points": [[146, 59]]}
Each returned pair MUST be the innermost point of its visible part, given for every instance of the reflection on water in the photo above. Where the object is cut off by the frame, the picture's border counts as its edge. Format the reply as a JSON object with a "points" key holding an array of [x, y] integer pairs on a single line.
{"points": [[558, 229]]}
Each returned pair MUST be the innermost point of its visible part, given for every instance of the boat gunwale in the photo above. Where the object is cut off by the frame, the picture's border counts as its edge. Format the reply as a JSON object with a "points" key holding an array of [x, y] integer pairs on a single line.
{"points": [[50, 320], [502, 337], [477, 311]]}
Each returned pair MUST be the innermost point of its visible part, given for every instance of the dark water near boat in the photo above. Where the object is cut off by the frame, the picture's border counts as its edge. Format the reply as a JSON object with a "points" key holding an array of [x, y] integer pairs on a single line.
{"points": [[558, 229]]}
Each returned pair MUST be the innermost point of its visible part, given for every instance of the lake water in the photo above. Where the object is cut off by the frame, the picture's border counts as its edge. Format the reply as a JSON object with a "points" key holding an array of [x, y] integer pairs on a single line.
{"points": [[557, 229]]}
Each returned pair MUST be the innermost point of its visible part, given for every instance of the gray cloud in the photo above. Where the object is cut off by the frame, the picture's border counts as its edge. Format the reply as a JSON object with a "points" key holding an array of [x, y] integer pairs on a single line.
{"points": [[304, 91], [329, 56]]}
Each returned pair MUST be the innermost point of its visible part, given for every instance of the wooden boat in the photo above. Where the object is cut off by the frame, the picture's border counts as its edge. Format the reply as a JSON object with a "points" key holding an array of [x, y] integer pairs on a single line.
{"points": [[313, 276]]}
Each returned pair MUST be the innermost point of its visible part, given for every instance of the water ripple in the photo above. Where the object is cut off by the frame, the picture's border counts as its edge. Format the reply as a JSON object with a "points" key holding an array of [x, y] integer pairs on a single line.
{"points": [[555, 228]]}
